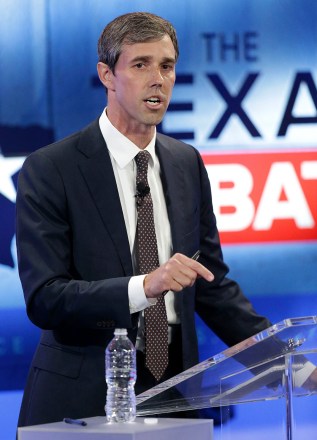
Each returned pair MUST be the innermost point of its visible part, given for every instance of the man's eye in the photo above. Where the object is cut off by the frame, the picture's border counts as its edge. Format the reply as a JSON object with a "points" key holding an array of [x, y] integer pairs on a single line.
{"points": [[139, 65]]}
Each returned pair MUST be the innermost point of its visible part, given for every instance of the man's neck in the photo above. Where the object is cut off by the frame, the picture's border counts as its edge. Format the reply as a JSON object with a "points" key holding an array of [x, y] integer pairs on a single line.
{"points": [[140, 134]]}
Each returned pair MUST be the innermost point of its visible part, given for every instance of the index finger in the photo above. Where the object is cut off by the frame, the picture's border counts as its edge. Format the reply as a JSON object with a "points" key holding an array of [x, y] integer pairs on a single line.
{"points": [[201, 270], [197, 267]]}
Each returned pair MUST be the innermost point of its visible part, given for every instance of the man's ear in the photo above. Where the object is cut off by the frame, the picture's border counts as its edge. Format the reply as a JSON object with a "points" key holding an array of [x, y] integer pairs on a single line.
{"points": [[105, 75]]}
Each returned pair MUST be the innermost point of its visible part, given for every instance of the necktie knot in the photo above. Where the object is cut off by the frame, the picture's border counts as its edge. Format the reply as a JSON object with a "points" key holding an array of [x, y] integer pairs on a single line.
{"points": [[142, 161]]}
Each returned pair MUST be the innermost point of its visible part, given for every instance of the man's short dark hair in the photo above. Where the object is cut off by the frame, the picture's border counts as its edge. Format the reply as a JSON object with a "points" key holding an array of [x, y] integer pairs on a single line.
{"points": [[132, 28]]}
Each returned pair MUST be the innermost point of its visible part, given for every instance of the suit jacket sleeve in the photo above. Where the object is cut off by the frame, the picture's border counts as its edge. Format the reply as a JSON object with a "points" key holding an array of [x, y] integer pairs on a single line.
{"points": [[221, 304]]}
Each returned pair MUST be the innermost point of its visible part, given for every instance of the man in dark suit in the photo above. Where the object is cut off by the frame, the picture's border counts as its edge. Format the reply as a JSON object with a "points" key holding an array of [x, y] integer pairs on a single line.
{"points": [[76, 222]]}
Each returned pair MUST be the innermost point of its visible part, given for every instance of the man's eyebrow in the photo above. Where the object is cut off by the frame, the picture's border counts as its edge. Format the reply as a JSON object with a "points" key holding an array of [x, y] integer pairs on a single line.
{"points": [[141, 58], [169, 60], [147, 58]]}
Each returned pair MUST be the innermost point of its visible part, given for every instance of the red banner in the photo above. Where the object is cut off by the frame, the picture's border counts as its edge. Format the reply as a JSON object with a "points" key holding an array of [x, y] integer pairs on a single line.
{"points": [[264, 196]]}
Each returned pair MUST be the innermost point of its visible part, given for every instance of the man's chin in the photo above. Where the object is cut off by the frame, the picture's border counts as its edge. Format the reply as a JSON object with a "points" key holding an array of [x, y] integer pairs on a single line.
{"points": [[154, 119]]}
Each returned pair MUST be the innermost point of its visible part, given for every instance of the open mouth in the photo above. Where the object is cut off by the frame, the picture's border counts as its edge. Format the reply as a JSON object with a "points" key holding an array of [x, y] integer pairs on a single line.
{"points": [[153, 101]]}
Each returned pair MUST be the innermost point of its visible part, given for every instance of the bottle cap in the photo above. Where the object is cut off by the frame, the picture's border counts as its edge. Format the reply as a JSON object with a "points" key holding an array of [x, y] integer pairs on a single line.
{"points": [[120, 332]]}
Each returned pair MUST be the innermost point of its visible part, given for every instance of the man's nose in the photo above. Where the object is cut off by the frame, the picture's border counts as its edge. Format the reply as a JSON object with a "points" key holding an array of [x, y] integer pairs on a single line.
{"points": [[156, 77]]}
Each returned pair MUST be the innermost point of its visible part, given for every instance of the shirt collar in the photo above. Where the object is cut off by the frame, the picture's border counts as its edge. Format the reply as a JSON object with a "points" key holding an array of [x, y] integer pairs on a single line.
{"points": [[120, 147]]}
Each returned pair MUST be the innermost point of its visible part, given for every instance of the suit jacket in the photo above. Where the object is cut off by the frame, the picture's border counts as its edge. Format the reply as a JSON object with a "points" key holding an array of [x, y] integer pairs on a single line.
{"points": [[75, 265]]}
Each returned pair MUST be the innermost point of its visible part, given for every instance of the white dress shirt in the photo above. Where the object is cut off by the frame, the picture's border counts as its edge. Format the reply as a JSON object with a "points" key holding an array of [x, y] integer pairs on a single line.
{"points": [[122, 153]]}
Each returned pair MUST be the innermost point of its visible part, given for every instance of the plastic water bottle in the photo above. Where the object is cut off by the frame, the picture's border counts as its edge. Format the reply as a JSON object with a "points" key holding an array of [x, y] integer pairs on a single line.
{"points": [[120, 377]]}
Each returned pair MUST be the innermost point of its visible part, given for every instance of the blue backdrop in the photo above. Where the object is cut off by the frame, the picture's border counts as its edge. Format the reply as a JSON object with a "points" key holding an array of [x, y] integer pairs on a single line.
{"points": [[246, 84]]}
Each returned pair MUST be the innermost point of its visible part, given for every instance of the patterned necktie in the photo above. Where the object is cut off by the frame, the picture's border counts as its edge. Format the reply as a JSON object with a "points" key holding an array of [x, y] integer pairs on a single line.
{"points": [[155, 319]]}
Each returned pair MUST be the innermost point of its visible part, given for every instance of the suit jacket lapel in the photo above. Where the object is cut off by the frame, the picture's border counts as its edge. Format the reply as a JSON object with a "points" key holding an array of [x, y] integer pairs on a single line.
{"points": [[173, 185], [97, 171], [96, 168]]}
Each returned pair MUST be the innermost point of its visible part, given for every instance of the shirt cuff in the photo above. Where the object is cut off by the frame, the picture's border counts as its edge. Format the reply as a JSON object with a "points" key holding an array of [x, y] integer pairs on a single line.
{"points": [[137, 299]]}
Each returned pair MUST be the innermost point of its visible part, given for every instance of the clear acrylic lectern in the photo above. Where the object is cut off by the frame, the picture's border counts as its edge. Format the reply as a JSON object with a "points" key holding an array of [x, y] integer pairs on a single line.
{"points": [[277, 363]]}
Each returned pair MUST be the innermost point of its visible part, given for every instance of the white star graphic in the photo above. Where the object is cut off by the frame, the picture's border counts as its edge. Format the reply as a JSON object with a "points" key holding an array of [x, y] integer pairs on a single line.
{"points": [[8, 167]]}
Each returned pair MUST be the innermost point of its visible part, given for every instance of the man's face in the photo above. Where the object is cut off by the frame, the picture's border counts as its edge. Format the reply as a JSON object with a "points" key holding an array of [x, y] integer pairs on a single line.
{"points": [[140, 88]]}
